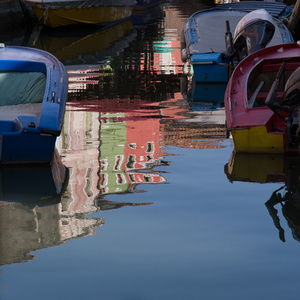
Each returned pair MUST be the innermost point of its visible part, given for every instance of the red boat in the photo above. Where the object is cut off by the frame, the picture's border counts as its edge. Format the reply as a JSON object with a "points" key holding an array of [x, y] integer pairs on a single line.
{"points": [[262, 101]]}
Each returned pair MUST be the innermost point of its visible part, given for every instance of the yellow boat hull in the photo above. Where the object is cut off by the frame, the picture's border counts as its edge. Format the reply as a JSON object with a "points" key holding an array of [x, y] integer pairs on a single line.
{"points": [[90, 15], [258, 140]]}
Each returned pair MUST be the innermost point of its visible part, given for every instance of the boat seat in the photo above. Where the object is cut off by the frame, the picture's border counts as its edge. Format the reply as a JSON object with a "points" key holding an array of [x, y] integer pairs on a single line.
{"points": [[11, 112], [21, 87], [251, 101]]}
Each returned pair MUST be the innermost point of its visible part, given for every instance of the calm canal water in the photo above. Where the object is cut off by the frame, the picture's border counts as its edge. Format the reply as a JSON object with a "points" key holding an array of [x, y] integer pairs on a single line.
{"points": [[156, 206]]}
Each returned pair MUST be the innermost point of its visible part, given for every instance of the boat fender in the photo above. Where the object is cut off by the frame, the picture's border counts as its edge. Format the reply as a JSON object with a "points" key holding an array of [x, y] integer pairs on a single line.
{"points": [[184, 56]]}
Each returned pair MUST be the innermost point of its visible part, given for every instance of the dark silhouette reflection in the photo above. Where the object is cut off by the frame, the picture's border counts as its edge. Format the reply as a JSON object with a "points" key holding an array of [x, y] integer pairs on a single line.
{"points": [[263, 168], [147, 15], [34, 185], [104, 204], [121, 61], [86, 44], [202, 96], [288, 198]]}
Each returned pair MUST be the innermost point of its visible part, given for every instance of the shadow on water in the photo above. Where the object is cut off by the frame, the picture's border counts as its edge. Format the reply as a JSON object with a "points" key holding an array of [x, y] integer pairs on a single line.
{"points": [[275, 168]]}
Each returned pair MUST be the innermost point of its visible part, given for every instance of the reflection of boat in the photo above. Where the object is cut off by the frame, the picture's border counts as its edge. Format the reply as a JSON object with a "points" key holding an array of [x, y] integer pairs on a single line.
{"points": [[86, 45], [264, 168], [146, 15], [256, 167], [262, 101], [206, 50], [57, 13], [208, 95], [39, 185], [34, 86], [206, 100], [145, 4]]}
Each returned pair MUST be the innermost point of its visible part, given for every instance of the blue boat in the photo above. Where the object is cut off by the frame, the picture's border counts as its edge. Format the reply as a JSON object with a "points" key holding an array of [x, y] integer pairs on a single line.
{"points": [[210, 48], [33, 89]]}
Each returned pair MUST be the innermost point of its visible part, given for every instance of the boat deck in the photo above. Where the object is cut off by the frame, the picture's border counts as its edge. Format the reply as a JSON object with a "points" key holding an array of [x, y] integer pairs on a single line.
{"points": [[11, 112]]}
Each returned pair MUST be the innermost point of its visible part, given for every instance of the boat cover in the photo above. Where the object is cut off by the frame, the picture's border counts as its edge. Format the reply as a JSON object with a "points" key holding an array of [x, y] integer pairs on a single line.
{"points": [[21, 87], [276, 9]]}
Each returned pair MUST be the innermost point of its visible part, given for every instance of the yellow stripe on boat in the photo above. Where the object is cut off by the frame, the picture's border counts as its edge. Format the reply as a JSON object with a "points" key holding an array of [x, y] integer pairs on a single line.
{"points": [[257, 139]]}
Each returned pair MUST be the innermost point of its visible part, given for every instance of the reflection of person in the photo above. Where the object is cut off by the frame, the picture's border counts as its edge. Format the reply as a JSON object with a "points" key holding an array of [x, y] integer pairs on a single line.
{"points": [[290, 203], [275, 199]]}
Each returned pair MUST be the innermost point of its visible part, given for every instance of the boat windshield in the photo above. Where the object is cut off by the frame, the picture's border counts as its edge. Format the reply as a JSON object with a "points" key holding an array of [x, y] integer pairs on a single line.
{"points": [[253, 37]]}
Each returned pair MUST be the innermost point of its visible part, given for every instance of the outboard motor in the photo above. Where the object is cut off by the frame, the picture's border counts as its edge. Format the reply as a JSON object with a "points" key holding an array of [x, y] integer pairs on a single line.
{"points": [[291, 99], [291, 96], [253, 32]]}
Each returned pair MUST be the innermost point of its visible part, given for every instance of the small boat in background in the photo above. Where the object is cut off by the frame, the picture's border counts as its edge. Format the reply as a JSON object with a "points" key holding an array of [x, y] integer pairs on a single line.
{"points": [[256, 23], [58, 13], [33, 89], [262, 100]]}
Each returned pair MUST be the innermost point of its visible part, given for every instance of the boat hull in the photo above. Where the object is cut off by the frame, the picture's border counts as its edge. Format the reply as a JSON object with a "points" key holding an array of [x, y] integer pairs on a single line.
{"points": [[25, 147], [37, 185], [258, 140]]}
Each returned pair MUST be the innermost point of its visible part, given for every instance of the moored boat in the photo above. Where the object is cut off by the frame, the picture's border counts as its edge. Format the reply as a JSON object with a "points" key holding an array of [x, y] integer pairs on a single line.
{"points": [[58, 13], [207, 53], [262, 101], [33, 88]]}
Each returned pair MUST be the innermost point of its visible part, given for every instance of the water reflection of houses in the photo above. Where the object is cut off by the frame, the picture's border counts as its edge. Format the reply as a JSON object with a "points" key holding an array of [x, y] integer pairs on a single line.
{"points": [[31, 212], [107, 153], [139, 150], [25, 229]]}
